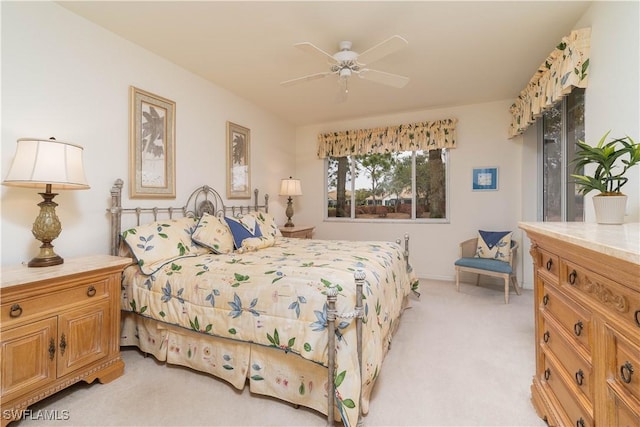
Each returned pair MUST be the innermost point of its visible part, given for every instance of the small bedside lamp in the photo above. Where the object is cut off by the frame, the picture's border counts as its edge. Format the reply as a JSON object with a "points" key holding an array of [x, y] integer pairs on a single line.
{"points": [[290, 187], [53, 165]]}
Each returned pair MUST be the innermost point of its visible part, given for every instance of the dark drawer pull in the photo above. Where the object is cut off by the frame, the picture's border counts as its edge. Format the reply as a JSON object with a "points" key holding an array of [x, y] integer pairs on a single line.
{"points": [[91, 291], [546, 336], [580, 422], [52, 349], [547, 374], [549, 264], [545, 299], [577, 328], [572, 277], [15, 310], [637, 316], [626, 371], [63, 344], [579, 377]]}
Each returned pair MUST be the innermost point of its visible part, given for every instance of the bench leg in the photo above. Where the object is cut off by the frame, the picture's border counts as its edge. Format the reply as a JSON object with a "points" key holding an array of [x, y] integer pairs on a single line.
{"points": [[457, 279], [515, 284], [506, 289]]}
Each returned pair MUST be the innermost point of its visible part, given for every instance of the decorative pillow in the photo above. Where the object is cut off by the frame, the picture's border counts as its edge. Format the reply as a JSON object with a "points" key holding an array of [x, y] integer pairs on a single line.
{"points": [[243, 227], [494, 245], [161, 242], [254, 243], [213, 233], [267, 223]]}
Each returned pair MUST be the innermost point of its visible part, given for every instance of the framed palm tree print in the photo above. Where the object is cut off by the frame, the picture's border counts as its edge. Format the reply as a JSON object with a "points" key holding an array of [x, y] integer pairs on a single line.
{"points": [[238, 164], [151, 145]]}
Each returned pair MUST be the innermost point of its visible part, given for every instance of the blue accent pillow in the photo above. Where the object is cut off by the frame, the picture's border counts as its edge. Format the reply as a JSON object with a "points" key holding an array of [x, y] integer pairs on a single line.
{"points": [[243, 227], [494, 245]]}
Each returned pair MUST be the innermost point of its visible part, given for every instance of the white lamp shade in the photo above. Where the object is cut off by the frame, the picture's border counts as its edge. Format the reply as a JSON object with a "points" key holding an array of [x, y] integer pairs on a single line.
{"points": [[290, 187], [46, 161]]}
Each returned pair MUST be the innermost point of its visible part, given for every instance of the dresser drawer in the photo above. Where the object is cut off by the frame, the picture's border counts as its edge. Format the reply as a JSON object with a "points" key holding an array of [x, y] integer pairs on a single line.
{"points": [[17, 312], [574, 413], [574, 320], [549, 266], [562, 346], [609, 295], [624, 416], [625, 366]]}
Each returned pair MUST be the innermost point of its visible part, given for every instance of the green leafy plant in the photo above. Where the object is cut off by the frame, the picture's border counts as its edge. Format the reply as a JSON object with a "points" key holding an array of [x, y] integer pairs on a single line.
{"points": [[612, 160]]}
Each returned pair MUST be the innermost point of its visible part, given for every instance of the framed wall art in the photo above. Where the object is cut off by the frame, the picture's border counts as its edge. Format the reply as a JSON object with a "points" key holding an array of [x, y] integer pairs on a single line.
{"points": [[485, 179], [151, 145], [238, 162]]}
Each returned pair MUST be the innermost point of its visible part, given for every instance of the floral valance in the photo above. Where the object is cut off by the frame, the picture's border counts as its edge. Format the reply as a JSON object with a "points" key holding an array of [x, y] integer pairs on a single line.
{"points": [[407, 137], [565, 68]]}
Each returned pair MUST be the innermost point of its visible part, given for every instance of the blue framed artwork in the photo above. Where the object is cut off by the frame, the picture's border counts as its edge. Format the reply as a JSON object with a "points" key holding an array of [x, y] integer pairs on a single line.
{"points": [[485, 179]]}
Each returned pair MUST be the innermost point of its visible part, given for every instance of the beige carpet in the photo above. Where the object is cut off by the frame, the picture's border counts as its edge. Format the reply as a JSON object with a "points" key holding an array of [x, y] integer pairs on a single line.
{"points": [[458, 359]]}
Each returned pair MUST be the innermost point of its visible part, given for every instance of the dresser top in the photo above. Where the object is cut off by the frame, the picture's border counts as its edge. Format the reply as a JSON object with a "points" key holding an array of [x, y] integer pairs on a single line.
{"points": [[619, 241], [20, 274]]}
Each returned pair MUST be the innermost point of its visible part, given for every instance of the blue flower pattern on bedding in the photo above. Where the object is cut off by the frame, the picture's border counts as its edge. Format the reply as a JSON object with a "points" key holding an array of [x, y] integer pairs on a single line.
{"points": [[276, 297]]}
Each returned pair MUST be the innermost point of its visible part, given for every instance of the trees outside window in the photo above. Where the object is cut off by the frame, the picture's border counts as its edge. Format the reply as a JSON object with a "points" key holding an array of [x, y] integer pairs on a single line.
{"points": [[408, 185]]}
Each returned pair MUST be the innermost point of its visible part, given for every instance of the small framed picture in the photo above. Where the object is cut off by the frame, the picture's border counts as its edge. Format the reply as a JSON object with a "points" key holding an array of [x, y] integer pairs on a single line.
{"points": [[238, 162], [152, 135], [485, 179]]}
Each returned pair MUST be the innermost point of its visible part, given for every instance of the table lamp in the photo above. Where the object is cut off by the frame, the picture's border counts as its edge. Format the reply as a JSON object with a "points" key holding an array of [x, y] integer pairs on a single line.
{"points": [[290, 187], [53, 165]]}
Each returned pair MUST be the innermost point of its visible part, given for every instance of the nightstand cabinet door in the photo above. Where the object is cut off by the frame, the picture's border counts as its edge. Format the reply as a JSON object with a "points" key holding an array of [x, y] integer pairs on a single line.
{"points": [[27, 357], [83, 337]]}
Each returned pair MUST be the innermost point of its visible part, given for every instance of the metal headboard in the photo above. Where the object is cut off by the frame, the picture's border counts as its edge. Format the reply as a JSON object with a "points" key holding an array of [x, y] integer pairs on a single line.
{"points": [[203, 199]]}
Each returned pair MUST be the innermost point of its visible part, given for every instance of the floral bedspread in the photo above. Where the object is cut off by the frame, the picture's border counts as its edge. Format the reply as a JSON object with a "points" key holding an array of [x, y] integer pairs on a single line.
{"points": [[276, 297]]}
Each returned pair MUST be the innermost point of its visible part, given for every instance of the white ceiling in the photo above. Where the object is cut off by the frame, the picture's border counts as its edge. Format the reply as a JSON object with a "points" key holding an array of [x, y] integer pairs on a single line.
{"points": [[459, 52]]}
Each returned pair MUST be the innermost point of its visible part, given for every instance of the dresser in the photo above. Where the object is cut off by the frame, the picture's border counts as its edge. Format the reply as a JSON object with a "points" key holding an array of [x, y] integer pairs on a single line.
{"points": [[587, 323], [59, 325], [298, 231]]}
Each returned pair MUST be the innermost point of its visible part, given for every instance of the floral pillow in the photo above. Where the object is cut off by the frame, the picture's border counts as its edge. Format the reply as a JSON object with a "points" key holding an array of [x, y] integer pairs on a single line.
{"points": [[243, 227], [494, 245], [158, 243], [267, 223], [252, 244], [214, 233]]}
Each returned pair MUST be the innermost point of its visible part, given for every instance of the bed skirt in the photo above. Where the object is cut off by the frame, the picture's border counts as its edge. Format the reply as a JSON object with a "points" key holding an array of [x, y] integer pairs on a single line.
{"points": [[269, 371]]}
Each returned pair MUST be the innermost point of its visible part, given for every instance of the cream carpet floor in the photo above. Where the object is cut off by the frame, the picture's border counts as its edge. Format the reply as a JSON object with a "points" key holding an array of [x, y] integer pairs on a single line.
{"points": [[458, 359]]}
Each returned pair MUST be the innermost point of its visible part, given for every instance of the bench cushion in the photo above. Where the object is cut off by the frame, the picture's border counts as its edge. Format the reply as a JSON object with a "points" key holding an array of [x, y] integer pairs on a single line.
{"points": [[485, 264]]}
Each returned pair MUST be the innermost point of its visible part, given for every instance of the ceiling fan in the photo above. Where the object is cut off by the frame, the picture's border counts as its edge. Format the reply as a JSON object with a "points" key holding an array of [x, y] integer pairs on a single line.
{"points": [[346, 63]]}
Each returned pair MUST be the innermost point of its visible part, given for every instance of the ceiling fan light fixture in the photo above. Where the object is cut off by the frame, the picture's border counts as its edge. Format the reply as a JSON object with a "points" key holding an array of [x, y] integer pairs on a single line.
{"points": [[345, 72]]}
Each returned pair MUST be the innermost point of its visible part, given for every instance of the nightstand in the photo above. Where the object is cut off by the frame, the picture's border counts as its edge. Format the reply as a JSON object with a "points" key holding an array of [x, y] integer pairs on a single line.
{"points": [[60, 325], [299, 231]]}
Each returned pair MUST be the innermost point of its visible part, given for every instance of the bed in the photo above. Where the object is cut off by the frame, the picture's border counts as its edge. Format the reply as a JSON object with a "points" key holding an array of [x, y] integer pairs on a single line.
{"points": [[305, 321]]}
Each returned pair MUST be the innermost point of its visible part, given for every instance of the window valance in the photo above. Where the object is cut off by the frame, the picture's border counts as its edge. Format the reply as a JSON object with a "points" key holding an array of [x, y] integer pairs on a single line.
{"points": [[565, 68], [407, 137]]}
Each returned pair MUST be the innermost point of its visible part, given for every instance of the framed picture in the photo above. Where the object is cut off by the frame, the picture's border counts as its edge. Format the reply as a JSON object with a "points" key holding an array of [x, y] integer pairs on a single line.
{"points": [[238, 162], [485, 179], [152, 135]]}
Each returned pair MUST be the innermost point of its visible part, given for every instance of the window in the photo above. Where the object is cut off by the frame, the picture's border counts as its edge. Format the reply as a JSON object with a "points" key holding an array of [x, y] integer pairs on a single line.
{"points": [[407, 185], [562, 127]]}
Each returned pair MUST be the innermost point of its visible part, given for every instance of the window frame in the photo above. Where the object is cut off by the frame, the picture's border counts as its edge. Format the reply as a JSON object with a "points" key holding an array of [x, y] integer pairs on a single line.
{"points": [[413, 219]]}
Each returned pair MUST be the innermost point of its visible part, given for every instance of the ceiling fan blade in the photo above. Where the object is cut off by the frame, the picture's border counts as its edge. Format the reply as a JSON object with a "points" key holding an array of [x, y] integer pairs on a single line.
{"points": [[382, 49], [315, 50], [306, 78], [388, 79]]}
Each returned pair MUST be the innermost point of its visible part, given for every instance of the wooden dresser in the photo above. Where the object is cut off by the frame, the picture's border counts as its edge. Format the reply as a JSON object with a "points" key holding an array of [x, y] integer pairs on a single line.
{"points": [[299, 231], [59, 325], [587, 323]]}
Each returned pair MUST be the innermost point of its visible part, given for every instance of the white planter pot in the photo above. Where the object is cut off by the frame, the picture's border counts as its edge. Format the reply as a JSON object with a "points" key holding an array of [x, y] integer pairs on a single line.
{"points": [[610, 209]]}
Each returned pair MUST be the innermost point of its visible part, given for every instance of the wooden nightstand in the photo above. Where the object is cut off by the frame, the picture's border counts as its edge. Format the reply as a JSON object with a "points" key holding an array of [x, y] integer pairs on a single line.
{"points": [[299, 231], [60, 325]]}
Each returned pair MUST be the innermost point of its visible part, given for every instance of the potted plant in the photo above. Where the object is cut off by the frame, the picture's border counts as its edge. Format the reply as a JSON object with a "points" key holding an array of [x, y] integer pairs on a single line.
{"points": [[612, 160]]}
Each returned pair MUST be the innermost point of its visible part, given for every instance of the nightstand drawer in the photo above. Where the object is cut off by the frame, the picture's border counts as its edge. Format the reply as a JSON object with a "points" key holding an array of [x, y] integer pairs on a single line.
{"points": [[22, 310]]}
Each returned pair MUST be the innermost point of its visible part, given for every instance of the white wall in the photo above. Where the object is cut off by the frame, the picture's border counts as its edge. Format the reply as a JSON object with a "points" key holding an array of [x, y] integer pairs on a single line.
{"points": [[63, 76], [482, 141], [612, 100]]}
